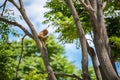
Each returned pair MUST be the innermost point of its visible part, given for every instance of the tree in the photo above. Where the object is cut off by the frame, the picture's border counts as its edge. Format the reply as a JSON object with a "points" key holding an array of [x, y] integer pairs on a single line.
{"points": [[101, 41]]}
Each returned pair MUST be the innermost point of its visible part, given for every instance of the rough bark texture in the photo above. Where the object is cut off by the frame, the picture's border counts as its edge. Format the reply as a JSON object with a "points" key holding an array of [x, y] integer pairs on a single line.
{"points": [[102, 44], [103, 73], [82, 40]]}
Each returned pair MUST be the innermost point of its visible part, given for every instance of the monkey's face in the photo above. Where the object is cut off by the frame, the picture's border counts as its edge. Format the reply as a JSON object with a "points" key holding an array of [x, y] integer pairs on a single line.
{"points": [[45, 32]]}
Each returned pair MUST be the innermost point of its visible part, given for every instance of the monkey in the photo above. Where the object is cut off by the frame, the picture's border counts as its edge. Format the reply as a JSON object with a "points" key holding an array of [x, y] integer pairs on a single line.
{"points": [[43, 36]]}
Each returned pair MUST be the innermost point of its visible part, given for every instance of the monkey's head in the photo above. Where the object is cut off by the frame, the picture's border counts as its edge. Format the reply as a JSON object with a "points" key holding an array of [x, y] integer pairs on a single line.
{"points": [[45, 31]]}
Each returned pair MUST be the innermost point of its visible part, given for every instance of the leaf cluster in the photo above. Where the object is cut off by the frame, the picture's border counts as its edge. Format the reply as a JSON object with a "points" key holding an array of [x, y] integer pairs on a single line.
{"points": [[60, 17]]}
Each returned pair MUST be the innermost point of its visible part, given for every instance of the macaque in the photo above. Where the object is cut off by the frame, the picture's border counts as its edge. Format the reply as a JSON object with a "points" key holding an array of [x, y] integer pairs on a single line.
{"points": [[43, 36]]}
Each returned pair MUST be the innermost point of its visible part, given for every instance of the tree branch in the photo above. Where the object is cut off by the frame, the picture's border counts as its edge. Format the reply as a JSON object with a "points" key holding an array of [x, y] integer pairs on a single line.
{"points": [[21, 54], [68, 75], [87, 2], [14, 3], [21, 4], [3, 5], [17, 24], [94, 61], [87, 5], [82, 39]]}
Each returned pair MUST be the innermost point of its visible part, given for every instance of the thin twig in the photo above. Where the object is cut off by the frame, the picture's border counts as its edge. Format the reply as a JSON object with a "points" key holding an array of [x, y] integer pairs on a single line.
{"points": [[21, 54], [3, 5]]}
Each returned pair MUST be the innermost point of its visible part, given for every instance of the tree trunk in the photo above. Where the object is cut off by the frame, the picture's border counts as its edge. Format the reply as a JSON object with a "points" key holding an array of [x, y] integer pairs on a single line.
{"points": [[82, 40], [102, 73], [101, 43]]}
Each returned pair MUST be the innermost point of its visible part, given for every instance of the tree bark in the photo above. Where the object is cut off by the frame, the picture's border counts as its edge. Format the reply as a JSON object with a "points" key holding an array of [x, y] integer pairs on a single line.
{"points": [[95, 62], [101, 43], [82, 40]]}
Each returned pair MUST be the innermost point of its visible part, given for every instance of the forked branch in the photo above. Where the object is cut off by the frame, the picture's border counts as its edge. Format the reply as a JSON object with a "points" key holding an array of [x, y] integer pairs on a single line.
{"points": [[87, 5], [17, 24]]}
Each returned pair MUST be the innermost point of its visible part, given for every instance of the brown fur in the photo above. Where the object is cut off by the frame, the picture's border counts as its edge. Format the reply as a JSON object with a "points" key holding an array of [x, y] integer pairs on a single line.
{"points": [[43, 36]]}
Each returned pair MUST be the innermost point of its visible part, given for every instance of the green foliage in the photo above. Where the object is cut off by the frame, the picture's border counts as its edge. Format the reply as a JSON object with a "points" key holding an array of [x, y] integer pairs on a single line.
{"points": [[115, 4], [61, 18], [5, 31], [30, 48], [6, 62], [113, 29], [32, 66], [111, 7], [113, 25], [115, 45], [33, 75], [61, 64], [92, 73], [53, 46]]}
